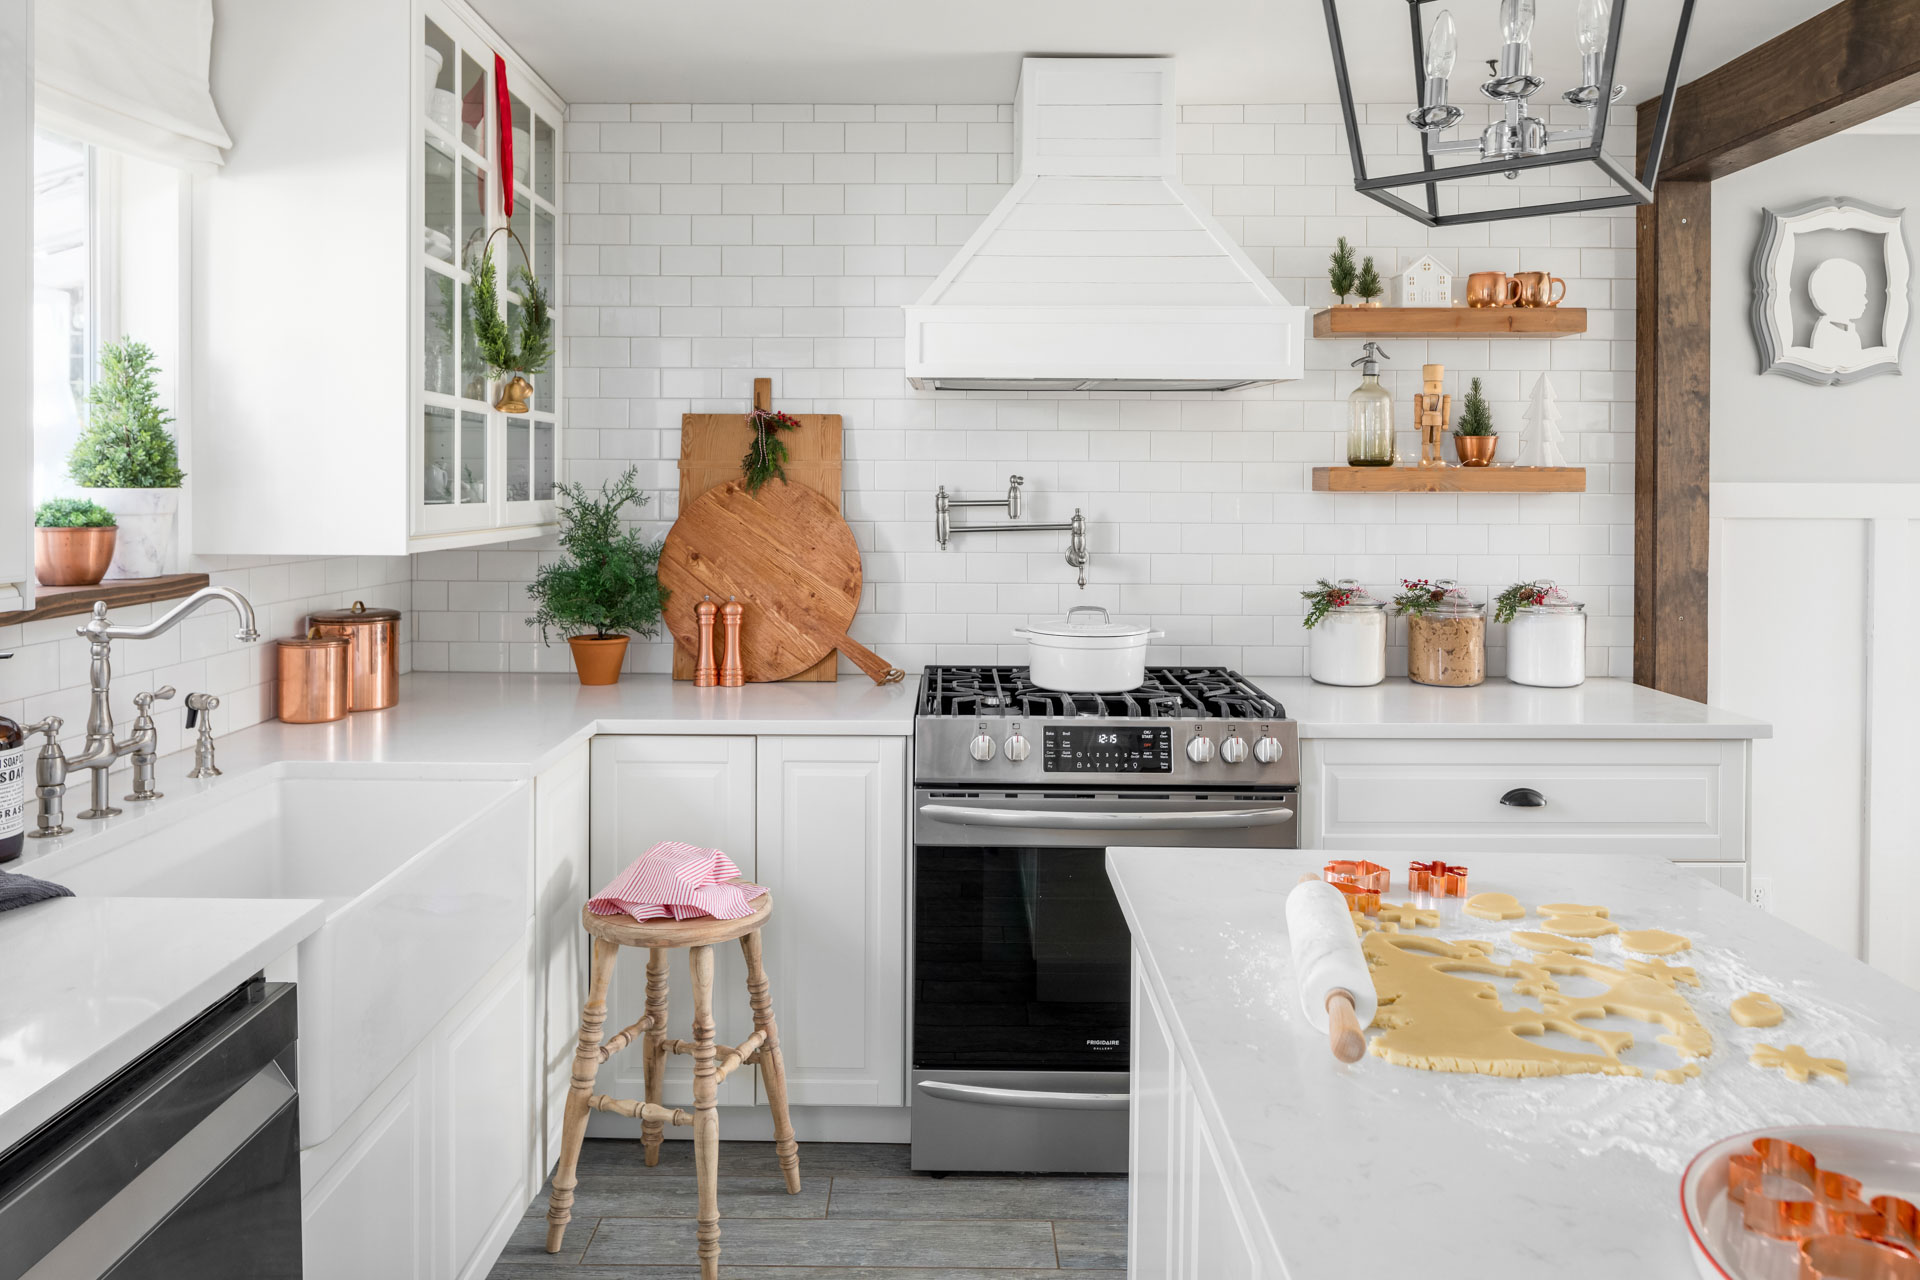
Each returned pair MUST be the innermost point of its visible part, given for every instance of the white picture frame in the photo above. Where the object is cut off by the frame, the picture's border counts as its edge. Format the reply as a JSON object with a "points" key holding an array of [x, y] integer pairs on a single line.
{"points": [[1426, 284], [1834, 354]]}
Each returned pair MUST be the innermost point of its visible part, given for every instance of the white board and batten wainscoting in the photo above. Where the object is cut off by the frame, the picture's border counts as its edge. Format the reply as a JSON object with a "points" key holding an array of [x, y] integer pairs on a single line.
{"points": [[1811, 626]]}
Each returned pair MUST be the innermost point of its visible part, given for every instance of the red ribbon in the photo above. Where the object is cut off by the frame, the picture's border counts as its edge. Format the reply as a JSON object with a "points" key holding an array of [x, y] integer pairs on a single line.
{"points": [[503, 111]]}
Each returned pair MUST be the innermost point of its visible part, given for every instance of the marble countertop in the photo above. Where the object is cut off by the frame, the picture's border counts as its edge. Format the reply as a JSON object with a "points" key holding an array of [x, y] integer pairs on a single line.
{"points": [[1398, 708], [92, 983], [1444, 1175]]}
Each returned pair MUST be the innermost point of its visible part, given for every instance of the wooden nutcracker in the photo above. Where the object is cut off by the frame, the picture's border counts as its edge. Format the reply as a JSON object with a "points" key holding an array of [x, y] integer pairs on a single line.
{"points": [[1432, 410], [706, 671]]}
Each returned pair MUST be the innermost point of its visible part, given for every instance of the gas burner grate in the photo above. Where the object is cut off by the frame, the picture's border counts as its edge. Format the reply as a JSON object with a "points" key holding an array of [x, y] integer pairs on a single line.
{"points": [[1169, 693]]}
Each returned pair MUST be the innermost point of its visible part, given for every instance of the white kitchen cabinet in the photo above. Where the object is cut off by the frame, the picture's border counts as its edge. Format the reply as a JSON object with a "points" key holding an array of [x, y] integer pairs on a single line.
{"points": [[560, 818], [339, 406], [16, 304], [832, 848], [697, 789], [487, 1122], [1682, 799], [366, 1214]]}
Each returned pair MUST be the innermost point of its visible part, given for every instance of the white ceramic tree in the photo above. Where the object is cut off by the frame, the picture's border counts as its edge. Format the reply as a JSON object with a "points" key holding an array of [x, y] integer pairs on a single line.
{"points": [[1541, 439]]}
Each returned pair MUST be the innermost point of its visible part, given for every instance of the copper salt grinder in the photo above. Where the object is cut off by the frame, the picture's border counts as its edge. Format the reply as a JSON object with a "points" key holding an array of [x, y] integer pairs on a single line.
{"points": [[705, 673], [732, 673]]}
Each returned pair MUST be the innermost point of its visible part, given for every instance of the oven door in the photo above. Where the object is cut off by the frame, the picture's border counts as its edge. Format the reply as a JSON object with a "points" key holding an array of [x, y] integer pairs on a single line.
{"points": [[1257, 819]]}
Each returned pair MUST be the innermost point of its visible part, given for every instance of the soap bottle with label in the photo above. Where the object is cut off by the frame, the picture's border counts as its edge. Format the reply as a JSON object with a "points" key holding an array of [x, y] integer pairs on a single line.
{"points": [[1370, 414], [13, 787]]}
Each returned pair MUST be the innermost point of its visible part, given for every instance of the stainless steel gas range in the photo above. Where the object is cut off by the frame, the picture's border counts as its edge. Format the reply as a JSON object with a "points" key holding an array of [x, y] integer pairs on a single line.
{"points": [[1021, 960]]}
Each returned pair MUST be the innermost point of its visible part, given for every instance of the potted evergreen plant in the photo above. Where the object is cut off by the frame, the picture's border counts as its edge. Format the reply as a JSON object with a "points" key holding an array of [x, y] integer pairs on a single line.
{"points": [[1341, 273], [128, 461], [1474, 439], [606, 585], [72, 542]]}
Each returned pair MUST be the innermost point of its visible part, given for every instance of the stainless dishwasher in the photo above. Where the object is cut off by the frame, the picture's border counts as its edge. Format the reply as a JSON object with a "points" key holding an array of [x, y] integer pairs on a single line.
{"points": [[185, 1164]]}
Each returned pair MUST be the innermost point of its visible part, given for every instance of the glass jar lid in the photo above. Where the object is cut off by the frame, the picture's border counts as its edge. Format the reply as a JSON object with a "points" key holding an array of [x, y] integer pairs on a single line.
{"points": [[1357, 599], [1549, 598], [1453, 602]]}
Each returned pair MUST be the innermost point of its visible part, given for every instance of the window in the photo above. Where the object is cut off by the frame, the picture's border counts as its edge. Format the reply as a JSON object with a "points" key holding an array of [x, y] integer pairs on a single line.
{"points": [[65, 295]]}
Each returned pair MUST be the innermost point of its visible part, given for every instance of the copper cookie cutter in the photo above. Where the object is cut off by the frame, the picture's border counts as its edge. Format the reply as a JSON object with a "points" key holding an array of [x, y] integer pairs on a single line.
{"points": [[1784, 1193], [1438, 879], [1362, 882]]}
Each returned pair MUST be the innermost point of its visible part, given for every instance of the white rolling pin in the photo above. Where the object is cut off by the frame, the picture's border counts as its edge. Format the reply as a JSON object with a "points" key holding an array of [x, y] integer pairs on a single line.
{"points": [[1336, 991]]}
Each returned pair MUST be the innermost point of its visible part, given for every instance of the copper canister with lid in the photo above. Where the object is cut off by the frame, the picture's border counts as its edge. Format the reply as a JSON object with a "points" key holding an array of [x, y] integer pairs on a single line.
{"points": [[313, 678], [374, 660]]}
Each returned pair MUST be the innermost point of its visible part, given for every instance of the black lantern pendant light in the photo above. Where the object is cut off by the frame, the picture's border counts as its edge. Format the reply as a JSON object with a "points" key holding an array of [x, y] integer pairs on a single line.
{"points": [[1517, 139]]}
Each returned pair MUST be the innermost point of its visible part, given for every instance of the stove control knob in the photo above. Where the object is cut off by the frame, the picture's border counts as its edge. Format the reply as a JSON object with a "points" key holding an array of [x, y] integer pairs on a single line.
{"points": [[1234, 749], [1200, 749], [982, 748], [1267, 750], [1018, 748]]}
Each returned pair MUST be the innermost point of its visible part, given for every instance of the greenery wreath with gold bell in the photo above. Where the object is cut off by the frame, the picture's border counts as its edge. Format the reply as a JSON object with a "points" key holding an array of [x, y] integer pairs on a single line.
{"points": [[507, 359]]}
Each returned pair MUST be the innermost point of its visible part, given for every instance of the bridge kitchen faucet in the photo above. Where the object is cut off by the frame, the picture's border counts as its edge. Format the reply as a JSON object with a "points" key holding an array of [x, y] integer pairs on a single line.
{"points": [[101, 750]]}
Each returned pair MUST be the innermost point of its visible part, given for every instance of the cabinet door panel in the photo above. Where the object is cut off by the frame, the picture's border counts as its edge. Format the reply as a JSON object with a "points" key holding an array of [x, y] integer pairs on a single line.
{"points": [[1217, 1239], [486, 1117], [1153, 1188], [560, 868], [698, 789], [367, 1214], [832, 847]]}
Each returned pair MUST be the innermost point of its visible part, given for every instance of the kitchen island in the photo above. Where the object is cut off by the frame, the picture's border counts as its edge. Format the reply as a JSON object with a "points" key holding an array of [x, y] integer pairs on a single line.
{"points": [[1256, 1154]]}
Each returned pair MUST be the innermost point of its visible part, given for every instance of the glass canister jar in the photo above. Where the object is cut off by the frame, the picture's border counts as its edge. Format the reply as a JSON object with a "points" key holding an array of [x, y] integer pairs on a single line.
{"points": [[1546, 637], [1347, 641], [1447, 639]]}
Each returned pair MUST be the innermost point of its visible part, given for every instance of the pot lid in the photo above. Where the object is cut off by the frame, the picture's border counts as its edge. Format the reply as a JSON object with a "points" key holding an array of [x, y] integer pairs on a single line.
{"points": [[312, 640], [359, 613], [1080, 622]]}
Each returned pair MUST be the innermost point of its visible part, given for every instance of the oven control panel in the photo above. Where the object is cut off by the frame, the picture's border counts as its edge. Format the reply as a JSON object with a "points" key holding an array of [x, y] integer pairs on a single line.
{"points": [[1107, 749]]}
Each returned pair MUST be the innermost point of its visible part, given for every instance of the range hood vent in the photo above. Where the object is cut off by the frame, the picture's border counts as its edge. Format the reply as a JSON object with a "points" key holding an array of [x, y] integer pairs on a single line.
{"points": [[1098, 271]]}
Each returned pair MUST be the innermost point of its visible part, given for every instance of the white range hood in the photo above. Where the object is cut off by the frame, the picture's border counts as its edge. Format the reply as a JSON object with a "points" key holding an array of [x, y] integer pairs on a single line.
{"points": [[1098, 271]]}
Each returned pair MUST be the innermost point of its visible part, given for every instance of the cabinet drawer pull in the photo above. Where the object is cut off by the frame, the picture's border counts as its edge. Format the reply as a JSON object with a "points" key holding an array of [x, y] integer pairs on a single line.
{"points": [[1524, 798]]}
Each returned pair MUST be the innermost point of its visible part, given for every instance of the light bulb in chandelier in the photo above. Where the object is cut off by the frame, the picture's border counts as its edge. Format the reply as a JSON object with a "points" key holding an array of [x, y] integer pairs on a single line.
{"points": [[1435, 113], [1514, 81], [1442, 45], [1593, 26], [1516, 20], [1592, 22]]}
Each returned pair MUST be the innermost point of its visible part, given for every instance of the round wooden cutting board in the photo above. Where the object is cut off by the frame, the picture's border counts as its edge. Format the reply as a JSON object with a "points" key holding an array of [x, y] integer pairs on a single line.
{"points": [[785, 553]]}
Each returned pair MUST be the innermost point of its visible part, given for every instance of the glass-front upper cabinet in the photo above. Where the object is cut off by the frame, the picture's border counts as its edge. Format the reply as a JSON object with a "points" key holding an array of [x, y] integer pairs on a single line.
{"points": [[478, 472]]}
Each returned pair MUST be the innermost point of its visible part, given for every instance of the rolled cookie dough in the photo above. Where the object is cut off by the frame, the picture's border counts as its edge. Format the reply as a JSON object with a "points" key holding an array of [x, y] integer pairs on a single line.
{"points": [[1495, 906], [1667, 973], [1757, 1009], [1571, 909], [1799, 1065], [1653, 942], [1678, 1075], [1579, 926], [1407, 913], [1547, 942]]}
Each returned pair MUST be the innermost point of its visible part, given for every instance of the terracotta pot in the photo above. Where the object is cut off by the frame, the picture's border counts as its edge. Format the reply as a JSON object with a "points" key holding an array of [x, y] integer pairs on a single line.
{"points": [[72, 557], [597, 659], [1475, 451]]}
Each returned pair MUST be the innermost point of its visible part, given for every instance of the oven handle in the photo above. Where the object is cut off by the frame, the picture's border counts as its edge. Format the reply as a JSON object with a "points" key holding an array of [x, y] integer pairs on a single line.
{"points": [[1052, 1101], [1085, 820]]}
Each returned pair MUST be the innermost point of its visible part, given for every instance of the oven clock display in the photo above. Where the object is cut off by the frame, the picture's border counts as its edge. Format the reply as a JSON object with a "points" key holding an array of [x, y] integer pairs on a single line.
{"points": [[1108, 749]]}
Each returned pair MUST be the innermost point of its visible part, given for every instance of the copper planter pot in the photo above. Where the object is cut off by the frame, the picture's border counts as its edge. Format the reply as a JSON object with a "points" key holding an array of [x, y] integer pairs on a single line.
{"points": [[597, 659], [73, 557], [1475, 451]]}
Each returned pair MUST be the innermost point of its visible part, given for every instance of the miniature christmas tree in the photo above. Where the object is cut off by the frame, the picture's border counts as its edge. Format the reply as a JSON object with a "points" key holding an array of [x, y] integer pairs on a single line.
{"points": [[1340, 276], [1369, 286], [1540, 439], [1476, 419]]}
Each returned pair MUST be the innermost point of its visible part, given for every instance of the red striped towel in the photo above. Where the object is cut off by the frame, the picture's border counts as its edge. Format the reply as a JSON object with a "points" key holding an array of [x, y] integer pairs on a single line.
{"points": [[681, 881]]}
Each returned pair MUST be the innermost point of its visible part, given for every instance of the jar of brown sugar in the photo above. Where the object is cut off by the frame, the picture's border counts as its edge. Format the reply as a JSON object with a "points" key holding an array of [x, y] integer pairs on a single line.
{"points": [[1447, 639]]}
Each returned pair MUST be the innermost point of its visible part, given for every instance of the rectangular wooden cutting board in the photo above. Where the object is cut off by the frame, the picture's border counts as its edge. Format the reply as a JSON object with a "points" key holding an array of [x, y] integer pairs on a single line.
{"points": [[711, 447]]}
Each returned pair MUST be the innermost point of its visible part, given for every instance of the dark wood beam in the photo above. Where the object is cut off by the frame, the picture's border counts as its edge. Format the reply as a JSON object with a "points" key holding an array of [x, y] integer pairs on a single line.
{"points": [[1672, 386], [1839, 68]]}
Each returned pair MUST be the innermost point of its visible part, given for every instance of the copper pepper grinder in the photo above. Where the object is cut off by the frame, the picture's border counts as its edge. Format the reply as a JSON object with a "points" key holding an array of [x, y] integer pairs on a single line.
{"points": [[706, 673], [732, 673]]}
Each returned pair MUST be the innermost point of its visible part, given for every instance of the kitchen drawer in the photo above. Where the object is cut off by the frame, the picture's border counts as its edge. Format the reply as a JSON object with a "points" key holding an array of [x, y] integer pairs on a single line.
{"points": [[1684, 800]]}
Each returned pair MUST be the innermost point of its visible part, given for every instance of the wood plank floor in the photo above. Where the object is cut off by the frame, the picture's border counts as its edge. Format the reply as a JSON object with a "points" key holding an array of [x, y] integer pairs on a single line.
{"points": [[862, 1214]]}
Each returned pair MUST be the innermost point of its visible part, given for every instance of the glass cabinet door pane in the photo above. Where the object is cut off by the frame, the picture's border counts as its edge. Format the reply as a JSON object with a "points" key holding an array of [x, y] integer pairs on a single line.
{"points": [[473, 213], [473, 457], [438, 455], [473, 103], [542, 461], [438, 70], [519, 459], [544, 252], [522, 142], [516, 256], [543, 391], [440, 177], [437, 338], [544, 161], [473, 373]]}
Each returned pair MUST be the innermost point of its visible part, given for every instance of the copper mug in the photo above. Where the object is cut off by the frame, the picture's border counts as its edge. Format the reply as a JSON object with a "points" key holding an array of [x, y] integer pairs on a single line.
{"points": [[1536, 289], [1492, 289]]}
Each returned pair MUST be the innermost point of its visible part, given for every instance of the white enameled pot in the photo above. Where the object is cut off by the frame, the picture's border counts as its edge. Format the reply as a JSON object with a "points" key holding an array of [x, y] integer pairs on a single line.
{"points": [[1076, 655]]}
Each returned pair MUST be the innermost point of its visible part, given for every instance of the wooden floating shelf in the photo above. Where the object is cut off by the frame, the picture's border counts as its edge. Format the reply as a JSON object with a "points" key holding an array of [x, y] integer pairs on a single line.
{"points": [[62, 602], [1449, 322], [1495, 479]]}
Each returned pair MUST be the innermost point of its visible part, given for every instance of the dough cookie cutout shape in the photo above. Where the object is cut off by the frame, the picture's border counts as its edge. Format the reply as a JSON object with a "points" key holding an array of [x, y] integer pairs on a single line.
{"points": [[1757, 1009], [1799, 1065], [1654, 942], [1550, 942], [1495, 906]]}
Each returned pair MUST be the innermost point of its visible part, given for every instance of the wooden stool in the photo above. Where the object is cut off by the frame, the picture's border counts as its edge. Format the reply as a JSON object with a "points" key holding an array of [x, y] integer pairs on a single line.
{"points": [[712, 1063]]}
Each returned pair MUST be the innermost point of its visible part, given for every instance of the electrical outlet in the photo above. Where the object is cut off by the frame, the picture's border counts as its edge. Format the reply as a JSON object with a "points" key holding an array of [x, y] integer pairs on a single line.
{"points": [[1761, 895]]}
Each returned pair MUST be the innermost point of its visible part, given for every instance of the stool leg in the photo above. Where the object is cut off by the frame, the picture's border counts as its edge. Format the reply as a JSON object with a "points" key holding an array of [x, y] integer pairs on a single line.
{"points": [[773, 1068], [586, 1064], [653, 1049], [706, 1116]]}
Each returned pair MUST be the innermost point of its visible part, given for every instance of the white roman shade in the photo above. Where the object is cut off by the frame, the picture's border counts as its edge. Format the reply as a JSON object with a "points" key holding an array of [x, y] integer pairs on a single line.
{"points": [[130, 75]]}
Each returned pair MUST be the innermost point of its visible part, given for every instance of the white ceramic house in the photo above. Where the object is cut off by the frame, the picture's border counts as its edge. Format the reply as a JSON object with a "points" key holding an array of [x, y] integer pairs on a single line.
{"points": [[1426, 284]]}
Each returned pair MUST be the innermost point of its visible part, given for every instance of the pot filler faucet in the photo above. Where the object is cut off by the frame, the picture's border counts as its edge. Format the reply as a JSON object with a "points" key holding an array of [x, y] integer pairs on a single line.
{"points": [[101, 751]]}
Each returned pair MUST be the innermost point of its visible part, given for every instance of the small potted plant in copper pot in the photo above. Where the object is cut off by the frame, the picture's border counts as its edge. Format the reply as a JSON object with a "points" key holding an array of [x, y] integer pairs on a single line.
{"points": [[73, 542], [1474, 439], [605, 588]]}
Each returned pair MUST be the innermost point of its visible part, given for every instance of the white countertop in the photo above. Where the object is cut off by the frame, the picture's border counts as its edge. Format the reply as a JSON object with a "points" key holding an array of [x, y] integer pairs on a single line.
{"points": [[92, 983], [1398, 708], [1383, 1170]]}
